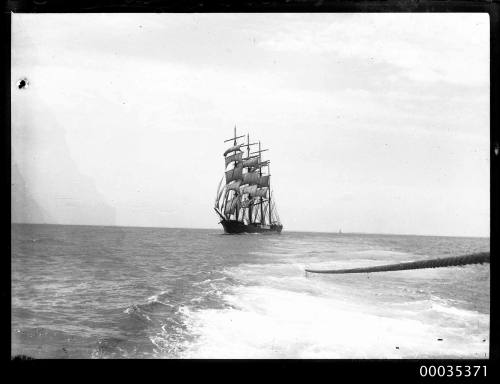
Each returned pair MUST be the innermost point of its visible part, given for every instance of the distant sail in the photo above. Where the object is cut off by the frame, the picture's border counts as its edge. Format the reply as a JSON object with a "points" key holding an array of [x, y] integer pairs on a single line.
{"points": [[234, 174], [251, 178], [263, 181], [233, 148], [236, 157], [234, 185]]}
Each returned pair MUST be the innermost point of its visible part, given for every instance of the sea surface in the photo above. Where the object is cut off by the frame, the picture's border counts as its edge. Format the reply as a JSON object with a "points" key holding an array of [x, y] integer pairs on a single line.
{"points": [[115, 292]]}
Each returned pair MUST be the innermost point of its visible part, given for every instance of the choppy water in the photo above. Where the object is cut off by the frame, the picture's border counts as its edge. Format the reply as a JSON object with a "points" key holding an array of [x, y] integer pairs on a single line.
{"points": [[111, 292]]}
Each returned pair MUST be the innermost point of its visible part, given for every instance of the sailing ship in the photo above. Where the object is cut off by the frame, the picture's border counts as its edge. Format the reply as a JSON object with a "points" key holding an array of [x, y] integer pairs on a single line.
{"points": [[244, 200]]}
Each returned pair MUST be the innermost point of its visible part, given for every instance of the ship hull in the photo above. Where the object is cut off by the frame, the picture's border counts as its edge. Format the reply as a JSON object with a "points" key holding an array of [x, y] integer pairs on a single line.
{"points": [[233, 226]]}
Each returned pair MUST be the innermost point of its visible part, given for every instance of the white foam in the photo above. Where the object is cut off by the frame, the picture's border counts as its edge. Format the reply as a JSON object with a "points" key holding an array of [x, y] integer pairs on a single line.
{"points": [[381, 253], [278, 312], [208, 281], [155, 298], [275, 323]]}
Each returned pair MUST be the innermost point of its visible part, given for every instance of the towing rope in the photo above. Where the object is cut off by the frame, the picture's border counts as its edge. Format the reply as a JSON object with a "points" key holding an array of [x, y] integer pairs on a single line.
{"points": [[474, 258]]}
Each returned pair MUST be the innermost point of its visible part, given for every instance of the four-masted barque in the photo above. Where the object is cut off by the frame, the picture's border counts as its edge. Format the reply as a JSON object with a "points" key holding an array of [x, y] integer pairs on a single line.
{"points": [[244, 200]]}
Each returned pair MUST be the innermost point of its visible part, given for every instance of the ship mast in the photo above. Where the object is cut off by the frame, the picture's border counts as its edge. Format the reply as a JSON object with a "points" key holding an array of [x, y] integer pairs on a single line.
{"points": [[269, 173], [235, 192], [260, 198], [235, 162], [248, 156]]}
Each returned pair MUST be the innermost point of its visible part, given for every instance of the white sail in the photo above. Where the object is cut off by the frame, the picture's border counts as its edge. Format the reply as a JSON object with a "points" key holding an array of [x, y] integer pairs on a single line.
{"points": [[233, 149], [251, 178], [250, 189], [246, 203], [261, 192], [220, 192], [236, 157], [234, 174], [234, 185], [232, 205], [263, 181], [252, 162], [263, 164]]}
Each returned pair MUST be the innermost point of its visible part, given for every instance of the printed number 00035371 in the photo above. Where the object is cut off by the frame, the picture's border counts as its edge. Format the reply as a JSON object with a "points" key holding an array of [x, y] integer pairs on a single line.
{"points": [[452, 370]]}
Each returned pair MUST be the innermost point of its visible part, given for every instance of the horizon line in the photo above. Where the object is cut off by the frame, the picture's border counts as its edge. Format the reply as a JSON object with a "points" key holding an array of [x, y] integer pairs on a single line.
{"points": [[216, 228]]}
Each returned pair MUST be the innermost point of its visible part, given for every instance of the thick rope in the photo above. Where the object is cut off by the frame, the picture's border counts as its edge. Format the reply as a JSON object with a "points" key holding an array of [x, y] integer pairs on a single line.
{"points": [[475, 258]]}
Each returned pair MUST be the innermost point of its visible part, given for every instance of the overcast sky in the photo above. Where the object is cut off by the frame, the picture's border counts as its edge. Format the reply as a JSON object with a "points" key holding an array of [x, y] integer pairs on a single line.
{"points": [[375, 122]]}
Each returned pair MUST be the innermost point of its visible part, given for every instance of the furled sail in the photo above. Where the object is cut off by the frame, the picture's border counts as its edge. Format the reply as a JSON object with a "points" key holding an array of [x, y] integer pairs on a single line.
{"points": [[236, 157], [261, 192], [251, 178], [234, 174], [250, 189], [232, 205], [252, 162], [233, 148], [263, 181], [234, 185]]}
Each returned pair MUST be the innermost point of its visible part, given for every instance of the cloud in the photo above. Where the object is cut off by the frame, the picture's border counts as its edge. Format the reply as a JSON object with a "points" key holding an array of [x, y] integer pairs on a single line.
{"points": [[451, 48]]}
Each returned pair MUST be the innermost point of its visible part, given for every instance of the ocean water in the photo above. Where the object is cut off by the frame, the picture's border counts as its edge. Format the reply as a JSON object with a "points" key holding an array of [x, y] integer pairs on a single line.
{"points": [[113, 292]]}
